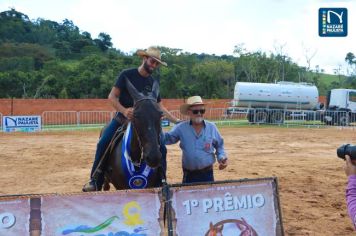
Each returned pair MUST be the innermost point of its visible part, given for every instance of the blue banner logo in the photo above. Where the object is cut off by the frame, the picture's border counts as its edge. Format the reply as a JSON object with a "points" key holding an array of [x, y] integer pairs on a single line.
{"points": [[21, 123], [332, 22]]}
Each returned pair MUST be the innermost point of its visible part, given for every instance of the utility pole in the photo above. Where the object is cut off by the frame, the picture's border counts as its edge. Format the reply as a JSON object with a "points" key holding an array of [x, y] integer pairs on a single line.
{"points": [[12, 106]]}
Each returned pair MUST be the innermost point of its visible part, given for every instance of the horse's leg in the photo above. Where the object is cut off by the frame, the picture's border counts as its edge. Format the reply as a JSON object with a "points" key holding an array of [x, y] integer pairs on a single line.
{"points": [[114, 170], [106, 186]]}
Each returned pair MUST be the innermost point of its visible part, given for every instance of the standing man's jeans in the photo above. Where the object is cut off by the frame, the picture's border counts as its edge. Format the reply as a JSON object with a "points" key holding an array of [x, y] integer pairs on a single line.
{"points": [[198, 176]]}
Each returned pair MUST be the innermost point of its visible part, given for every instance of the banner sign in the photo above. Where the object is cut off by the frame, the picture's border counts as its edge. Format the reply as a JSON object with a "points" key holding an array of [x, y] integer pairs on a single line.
{"points": [[232, 208], [129, 213], [21, 123], [14, 215], [244, 207]]}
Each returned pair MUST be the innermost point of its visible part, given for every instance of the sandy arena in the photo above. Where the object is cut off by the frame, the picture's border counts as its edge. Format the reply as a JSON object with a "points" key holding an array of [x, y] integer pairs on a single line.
{"points": [[311, 178]]}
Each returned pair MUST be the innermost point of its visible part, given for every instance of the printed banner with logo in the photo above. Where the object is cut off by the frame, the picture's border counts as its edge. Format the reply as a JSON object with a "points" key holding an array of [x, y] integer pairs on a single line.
{"points": [[249, 207], [21, 123], [245, 207], [134, 213]]}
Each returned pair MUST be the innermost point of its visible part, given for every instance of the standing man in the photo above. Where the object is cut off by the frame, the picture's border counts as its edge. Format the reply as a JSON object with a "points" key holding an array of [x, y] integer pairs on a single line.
{"points": [[141, 78], [200, 142]]}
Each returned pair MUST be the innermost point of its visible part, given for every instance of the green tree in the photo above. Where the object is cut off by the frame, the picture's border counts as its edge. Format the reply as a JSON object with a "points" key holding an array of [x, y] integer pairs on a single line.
{"points": [[103, 42]]}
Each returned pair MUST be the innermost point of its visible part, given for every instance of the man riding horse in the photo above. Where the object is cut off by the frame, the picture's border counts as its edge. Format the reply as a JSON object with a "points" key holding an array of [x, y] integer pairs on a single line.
{"points": [[141, 79]]}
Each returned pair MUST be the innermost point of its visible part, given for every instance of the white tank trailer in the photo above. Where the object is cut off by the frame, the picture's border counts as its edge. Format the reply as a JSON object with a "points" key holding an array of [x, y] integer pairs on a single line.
{"points": [[282, 95], [273, 103]]}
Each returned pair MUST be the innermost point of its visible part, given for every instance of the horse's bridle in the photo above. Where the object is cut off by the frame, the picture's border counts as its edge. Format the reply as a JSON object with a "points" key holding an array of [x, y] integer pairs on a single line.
{"points": [[138, 164]]}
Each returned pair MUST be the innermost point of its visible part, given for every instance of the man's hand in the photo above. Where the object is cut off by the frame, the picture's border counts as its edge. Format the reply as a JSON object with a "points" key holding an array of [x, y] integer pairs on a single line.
{"points": [[128, 113], [350, 166], [222, 164]]}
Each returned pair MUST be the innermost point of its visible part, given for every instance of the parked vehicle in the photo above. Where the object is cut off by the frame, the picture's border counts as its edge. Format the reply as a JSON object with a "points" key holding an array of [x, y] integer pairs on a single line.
{"points": [[274, 103], [340, 107]]}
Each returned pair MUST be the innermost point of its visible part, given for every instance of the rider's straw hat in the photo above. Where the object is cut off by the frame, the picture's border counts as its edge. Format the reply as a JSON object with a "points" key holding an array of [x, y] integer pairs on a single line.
{"points": [[153, 52], [191, 101]]}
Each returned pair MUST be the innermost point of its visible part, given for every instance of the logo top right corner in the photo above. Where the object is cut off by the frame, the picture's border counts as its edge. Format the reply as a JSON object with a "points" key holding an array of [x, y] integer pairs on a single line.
{"points": [[332, 22]]}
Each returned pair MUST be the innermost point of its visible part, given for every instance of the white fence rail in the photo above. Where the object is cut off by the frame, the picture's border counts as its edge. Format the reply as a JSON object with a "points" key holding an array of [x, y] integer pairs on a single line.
{"points": [[53, 120], [75, 119]]}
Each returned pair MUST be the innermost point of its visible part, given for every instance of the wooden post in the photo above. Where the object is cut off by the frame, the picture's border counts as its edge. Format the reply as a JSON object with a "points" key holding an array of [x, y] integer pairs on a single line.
{"points": [[35, 217]]}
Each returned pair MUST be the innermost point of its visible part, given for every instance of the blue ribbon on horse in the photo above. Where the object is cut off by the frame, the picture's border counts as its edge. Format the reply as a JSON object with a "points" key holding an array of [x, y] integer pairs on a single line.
{"points": [[136, 179]]}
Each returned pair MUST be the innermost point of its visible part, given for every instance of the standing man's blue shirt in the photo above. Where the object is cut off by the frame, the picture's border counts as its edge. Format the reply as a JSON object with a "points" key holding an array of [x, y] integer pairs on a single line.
{"points": [[198, 150]]}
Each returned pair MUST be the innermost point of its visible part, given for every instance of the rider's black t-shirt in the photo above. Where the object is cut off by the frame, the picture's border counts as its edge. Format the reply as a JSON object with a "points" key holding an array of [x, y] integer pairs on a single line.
{"points": [[142, 84]]}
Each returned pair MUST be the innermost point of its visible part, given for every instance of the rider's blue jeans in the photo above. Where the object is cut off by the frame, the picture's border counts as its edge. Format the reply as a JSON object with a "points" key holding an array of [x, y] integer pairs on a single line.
{"points": [[103, 143]]}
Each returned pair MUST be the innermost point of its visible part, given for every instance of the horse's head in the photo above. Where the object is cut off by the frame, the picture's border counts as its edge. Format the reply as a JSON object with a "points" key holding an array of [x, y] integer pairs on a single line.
{"points": [[215, 230], [147, 123]]}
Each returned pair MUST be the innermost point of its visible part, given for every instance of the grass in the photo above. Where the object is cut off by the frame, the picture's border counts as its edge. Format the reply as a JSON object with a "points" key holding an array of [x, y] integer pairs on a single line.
{"points": [[327, 79], [72, 127]]}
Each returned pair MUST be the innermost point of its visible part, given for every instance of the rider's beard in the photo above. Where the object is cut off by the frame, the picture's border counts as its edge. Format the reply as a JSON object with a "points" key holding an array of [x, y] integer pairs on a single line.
{"points": [[147, 68], [197, 120]]}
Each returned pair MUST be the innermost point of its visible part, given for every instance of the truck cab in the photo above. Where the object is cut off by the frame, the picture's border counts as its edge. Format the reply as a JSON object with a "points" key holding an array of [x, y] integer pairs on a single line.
{"points": [[341, 107]]}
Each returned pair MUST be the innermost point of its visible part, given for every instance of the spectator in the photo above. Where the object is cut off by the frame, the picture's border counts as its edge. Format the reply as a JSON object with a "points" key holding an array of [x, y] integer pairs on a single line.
{"points": [[200, 141]]}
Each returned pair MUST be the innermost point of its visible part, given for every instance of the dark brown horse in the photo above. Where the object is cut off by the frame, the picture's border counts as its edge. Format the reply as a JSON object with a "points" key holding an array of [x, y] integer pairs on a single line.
{"points": [[135, 160]]}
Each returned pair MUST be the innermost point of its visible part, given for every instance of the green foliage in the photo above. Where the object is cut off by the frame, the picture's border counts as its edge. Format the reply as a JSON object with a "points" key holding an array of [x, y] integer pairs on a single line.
{"points": [[47, 59]]}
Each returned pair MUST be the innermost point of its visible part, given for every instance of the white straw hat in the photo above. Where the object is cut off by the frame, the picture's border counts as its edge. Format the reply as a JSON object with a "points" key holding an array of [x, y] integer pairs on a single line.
{"points": [[153, 52], [191, 101]]}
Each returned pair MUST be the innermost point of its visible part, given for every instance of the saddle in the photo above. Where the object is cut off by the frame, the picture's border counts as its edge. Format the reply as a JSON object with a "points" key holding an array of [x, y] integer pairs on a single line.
{"points": [[114, 141]]}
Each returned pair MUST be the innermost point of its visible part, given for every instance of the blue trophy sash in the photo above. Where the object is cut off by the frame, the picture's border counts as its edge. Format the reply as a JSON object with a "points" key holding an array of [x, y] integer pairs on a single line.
{"points": [[136, 179]]}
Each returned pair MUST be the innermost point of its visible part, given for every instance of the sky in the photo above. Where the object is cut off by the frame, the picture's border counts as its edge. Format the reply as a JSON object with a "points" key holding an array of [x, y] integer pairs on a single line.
{"points": [[207, 26]]}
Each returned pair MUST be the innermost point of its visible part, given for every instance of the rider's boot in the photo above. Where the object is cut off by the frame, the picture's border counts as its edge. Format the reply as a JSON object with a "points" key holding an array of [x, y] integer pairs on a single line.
{"points": [[95, 183], [91, 186]]}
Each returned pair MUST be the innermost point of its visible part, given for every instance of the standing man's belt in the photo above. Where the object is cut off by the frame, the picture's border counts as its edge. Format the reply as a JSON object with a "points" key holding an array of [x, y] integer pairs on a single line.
{"points": [[205, 169]]}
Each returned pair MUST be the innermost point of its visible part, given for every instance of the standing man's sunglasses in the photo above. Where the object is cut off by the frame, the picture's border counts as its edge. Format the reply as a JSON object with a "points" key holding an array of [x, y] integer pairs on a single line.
{"points": [[201, 111]]}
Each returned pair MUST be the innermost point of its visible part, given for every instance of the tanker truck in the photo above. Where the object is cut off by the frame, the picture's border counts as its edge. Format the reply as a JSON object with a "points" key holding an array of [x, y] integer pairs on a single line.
{"points": [[275, 103]]}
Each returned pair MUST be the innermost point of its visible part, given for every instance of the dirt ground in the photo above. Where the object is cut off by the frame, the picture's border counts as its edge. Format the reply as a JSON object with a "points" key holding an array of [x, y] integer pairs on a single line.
{"points": [[311, 178]]}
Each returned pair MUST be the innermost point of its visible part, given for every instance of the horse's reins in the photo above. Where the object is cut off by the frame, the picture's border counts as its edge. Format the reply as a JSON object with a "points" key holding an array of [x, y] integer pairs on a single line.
{"points": [[138, 164], [165, 189], [160, 169]]}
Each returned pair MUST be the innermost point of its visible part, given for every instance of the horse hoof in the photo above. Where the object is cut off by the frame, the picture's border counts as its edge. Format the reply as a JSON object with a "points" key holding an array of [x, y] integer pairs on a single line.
{"points": [[106, 187]]}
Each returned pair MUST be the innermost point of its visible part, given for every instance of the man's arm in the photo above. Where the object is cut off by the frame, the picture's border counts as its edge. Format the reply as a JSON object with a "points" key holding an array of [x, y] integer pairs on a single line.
{"points": [[220, 150], [113, 97], [173, 136], [167, 114], [350, 170], [351, 198]]}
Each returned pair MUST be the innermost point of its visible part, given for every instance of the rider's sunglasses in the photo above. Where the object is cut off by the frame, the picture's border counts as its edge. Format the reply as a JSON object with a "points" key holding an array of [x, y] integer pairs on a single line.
{"points": [[153, 61], [196, 111]]}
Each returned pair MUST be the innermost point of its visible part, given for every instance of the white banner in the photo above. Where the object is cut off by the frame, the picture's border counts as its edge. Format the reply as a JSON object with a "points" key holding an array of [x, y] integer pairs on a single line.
{"points": [[21, 123], [122, 213], [247, 207], [240, 208]]}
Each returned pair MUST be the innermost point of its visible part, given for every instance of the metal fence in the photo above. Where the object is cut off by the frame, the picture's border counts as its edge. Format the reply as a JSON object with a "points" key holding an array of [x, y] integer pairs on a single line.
{"points": [[62, 120], [75, 119], [292, 117]]}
